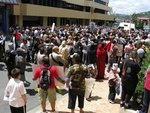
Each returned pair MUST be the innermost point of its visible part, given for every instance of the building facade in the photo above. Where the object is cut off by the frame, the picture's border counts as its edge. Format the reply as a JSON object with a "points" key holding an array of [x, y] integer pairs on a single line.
{"points": [[60, 12], [146, 22], [4, 13]]}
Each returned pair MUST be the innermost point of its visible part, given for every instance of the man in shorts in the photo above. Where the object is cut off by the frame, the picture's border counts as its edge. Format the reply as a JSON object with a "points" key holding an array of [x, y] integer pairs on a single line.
{"points": [[51, 92]]}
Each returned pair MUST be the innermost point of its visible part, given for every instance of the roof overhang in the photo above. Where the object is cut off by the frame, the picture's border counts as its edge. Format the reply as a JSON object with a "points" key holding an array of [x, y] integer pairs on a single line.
{"points": [[143, 18], [9, 2]]}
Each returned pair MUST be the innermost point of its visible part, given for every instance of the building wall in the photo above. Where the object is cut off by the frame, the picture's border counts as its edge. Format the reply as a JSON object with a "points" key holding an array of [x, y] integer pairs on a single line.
{"points": [[26, 10]]}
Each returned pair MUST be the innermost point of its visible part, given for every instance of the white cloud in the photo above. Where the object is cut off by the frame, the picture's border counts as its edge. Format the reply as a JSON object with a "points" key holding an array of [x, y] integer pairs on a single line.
{"points": [[129, 6]]}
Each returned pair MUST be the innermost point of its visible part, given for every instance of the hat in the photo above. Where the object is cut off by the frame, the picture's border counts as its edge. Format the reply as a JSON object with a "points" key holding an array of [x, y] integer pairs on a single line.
{"points": [[114, 66], [76, 56]]}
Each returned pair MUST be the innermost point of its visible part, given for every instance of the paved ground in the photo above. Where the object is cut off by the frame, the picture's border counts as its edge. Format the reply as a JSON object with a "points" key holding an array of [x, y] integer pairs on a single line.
{"points": [[98, 104]]}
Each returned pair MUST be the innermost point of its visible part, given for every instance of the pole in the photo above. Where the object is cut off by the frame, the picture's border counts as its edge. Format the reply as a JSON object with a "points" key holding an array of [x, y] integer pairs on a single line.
{"points": [[91, 7]]}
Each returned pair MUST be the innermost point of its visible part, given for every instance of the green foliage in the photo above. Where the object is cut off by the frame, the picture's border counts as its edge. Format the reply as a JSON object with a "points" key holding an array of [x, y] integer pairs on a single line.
{"points": [[141, 74], [134, 18], [139, 24]]}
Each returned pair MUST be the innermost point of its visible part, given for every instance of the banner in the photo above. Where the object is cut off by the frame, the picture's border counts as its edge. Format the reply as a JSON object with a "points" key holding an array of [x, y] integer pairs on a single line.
{"points": [[53, 26]]}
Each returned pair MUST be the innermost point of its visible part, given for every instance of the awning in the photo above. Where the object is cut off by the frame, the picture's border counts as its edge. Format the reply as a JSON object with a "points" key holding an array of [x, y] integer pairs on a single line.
{"points": [[9, 2]]}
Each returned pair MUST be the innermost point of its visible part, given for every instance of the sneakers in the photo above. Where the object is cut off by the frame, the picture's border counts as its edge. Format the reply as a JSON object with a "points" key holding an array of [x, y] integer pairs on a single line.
{"points": [[122, 105], [44, 111], [88, 99], [110, 101]]}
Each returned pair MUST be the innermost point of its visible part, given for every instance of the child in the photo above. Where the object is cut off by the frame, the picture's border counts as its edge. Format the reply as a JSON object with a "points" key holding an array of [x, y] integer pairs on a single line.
{"points": [[112, 81], [16, 93]]}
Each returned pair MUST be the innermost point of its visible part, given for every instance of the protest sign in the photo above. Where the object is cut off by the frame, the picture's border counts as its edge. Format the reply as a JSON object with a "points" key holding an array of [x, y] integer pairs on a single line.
{"points": [[89, 83]]}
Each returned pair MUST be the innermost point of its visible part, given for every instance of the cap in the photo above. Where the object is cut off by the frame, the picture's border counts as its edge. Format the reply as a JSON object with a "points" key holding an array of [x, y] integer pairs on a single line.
{"points": [[114, 66], [76, 56]]}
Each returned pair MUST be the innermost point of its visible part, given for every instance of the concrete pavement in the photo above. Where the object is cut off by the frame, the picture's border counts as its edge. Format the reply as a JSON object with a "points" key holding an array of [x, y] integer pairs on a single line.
{"points": [[98, 104]]}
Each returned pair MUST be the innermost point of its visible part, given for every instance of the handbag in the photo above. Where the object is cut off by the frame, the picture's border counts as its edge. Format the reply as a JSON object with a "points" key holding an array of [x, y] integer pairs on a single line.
{"points": [[59, 63]]}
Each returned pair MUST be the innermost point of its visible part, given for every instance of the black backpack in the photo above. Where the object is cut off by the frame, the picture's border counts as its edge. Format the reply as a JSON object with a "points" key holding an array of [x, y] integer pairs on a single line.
{"points": [[45, 81], [9, 57]]}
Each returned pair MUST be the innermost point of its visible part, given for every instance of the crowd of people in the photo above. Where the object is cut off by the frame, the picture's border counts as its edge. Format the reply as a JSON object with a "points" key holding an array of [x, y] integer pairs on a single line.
{"points": [[79, 50]]}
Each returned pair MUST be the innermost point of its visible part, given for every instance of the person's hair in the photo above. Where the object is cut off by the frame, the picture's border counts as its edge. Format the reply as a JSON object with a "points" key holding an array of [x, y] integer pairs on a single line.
{"points": [[133, 54], [55, 48], [15, 72], [46, 60], [114, 41], [130, 42], [77, 58]]}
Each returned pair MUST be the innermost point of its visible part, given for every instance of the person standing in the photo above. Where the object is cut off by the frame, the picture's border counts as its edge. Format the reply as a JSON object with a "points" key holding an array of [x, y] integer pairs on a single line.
{"points": [[21, 59], [40, 55], [10, 55], [129, 68], [113, 55], [146, 97], [75, 81], [16, 93], [65, 53], [101, 61], [56, 58], [112, 82], [51, 92], [17, 37], [2, 44]]}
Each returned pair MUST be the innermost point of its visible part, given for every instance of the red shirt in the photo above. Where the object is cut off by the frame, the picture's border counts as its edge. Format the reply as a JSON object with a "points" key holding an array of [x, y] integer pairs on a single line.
{"points": [[147, 80], [53, 74], [17, 35]]}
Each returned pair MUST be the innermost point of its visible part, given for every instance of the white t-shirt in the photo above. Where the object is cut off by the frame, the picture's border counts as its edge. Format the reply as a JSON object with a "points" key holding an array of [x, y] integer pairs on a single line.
{"points": [[15, 88], [40, 58]]}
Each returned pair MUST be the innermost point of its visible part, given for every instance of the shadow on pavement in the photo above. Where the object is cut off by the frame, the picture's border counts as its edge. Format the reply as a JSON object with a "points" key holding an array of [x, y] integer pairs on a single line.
{"points": [[117, 101], [27, 84], [86, 111], [2, 67], [29, 69], [69, 112], [31, 92], [95, 98], [62, 91]]}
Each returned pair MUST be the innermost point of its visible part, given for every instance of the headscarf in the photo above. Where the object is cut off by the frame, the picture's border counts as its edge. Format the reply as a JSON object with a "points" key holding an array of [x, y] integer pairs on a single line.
{"points": [[100, 50]]}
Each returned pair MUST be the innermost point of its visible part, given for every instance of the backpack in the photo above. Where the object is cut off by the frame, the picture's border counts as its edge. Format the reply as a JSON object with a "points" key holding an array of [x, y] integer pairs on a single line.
{"points": [[9, 57], [45, 78]]}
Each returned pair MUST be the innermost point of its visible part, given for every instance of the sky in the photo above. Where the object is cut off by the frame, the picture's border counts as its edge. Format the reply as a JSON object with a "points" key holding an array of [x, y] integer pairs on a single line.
{"points": [[129, 6]]}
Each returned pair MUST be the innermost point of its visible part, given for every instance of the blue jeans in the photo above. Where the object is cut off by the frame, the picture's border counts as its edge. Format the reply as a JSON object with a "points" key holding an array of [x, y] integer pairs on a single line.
{"points": [[146, 101]]}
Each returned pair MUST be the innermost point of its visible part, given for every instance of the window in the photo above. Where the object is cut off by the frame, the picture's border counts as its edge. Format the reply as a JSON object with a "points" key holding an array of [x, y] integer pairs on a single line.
{"points": [[100, 2]]}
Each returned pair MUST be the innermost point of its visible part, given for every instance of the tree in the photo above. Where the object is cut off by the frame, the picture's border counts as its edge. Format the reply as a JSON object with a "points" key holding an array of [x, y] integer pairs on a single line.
{"points": [[141, 74], [134, 18]]}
